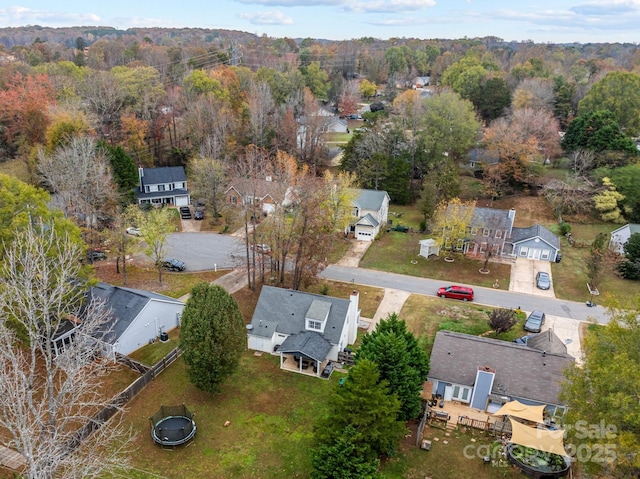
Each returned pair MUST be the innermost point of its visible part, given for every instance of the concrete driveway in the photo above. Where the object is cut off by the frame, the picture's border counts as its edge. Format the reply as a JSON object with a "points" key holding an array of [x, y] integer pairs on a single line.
{"points": [[568, 330], [523, 277]]}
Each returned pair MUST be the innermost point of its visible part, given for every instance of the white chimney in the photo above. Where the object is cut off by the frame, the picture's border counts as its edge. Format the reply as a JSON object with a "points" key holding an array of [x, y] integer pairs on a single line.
{"points": [[353, 316]]}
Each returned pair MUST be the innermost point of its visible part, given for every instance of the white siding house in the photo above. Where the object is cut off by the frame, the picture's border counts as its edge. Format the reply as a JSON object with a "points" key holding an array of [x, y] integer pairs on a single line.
{"points": [[167, 185], [620, 236], [370, 212], [136, 317]]}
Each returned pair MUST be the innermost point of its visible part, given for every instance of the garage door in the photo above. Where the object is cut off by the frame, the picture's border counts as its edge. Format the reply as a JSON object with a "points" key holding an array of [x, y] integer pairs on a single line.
{"points": [[364, 236]]}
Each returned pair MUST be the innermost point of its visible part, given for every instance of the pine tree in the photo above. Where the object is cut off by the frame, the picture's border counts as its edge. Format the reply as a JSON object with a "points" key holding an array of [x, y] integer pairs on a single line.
{"points": [[399, 360], [212, 336]]}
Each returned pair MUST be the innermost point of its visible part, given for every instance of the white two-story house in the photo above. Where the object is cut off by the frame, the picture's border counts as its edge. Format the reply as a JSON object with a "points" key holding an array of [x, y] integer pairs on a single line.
{"points": [[163, 186]]}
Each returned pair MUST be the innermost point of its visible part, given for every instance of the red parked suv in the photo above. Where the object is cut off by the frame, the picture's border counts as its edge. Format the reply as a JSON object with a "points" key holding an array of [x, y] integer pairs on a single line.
{"points": [[456, 292]]}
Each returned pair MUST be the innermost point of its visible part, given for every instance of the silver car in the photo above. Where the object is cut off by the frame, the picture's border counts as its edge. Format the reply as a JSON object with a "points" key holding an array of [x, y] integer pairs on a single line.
{"points": [[543, 280], [534, 322]]}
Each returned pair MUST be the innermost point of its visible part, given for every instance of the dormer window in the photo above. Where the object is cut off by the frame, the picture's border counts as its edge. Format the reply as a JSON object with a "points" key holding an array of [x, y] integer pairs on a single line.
{"points": [[317, 325], [317, 314]]}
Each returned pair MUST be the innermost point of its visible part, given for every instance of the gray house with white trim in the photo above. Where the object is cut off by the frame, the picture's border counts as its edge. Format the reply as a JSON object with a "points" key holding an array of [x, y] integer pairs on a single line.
{"points": [[163, 186], [486, 373], [371, 210], [535, 242], [306, 330]]}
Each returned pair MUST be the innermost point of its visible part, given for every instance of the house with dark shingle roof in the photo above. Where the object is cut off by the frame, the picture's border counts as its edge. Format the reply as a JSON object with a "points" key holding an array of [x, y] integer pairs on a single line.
{"points": [[491, 230], [136, 317], [485, 373], [163, 186], [534, 242], [306, 330], [370, 212]]}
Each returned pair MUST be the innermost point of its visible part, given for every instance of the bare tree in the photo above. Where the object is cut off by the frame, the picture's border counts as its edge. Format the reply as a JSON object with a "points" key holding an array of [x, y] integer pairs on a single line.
{"points": [[582, 160], [502, 320], [261, 108], [79, 176], [208, 175], [50, 386]]}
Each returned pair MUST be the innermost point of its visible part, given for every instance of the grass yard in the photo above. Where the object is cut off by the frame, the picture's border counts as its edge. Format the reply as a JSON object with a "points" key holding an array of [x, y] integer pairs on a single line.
{"points": [[271, 413], [398, 253], [426, 315], [570, 276]]}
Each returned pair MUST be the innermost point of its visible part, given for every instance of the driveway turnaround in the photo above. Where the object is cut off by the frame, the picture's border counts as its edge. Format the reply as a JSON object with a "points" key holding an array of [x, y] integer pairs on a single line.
{"points": [[206, 251]]}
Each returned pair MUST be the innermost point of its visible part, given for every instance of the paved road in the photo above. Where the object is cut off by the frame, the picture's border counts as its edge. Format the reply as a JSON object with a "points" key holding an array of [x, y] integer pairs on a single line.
{"points": [[488, 296], [204, 251]]}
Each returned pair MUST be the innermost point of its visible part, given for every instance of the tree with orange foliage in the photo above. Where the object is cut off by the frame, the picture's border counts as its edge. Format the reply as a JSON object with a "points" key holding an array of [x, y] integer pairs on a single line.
{"points": [[23, 109]]}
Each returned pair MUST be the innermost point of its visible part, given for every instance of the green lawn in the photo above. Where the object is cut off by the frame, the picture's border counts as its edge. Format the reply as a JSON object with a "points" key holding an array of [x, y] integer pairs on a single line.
{"points": [[271, 413], [398, 253]]}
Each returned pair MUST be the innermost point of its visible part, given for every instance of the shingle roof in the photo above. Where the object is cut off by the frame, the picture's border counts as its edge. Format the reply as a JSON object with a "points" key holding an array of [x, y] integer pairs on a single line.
{"points": [[370, 199], [492, 218], [124, 305], [521, 371], [368, 220], [284, 311], [536, 231], [166, 174], [307, 343], [547, 341]]}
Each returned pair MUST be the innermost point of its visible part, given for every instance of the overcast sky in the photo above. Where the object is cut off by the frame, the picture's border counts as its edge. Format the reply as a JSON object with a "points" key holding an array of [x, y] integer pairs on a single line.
{"points": [[537, 20]]}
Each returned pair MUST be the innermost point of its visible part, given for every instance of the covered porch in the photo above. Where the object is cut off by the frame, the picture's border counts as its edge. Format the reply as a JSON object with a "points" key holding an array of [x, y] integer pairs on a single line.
{"points": [[305, 353]]}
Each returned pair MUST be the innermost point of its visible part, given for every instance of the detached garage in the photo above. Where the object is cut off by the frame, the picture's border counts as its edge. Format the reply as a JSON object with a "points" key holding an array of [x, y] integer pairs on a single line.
{"points": [[535, 242]]}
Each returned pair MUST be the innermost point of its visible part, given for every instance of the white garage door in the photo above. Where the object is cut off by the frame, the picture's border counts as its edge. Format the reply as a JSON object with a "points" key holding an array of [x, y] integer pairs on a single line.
{"points": [[364, 236]]}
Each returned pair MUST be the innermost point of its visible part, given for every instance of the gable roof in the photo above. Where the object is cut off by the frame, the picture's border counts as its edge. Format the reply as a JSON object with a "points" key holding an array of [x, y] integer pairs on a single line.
{"points": [[306, 343], [633, 228], [259, 188], [166, 174], [370, 199], [519, 235], [284, 311], [547, 341], [368, 220], [521, 372], [124, 305], [493, 218]]}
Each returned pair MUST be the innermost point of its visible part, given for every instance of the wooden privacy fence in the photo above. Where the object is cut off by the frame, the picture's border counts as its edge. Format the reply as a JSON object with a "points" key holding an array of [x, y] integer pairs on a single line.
{"points": [[124, 397]]}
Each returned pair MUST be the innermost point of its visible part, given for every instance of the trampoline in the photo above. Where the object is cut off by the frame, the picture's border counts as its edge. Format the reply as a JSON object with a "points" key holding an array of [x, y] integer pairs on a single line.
{"points": [[172, 425]]}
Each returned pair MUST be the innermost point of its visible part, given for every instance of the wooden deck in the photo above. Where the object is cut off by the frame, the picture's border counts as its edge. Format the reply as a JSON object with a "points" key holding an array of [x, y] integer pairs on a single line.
{"points": [[11, 459]]}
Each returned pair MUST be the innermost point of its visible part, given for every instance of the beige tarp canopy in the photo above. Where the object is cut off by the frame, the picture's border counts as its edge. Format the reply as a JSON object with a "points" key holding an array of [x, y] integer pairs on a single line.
{"points": [[522, 411], [540, 439]]}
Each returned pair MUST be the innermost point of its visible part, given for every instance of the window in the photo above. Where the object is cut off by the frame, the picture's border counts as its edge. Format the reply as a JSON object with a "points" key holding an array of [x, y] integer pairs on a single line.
{"points": [[474, 230], [317, 325], [523, 251], [485, 232], [498, 233], [545, 254], [233, 200], [161, 187]]}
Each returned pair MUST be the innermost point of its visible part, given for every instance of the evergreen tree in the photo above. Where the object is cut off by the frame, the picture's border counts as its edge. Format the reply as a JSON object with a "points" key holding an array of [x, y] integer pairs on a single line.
{"points": [[124, 170], [342, 458], [366, 403], [212, 336], [400, 361], [599, 131]]}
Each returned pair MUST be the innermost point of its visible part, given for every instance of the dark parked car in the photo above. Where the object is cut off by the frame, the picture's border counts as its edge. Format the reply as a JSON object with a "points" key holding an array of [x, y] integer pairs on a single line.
{"points": [[534, 322], [185, 212], [198, 215], [173, 264], [456, 292], [543, 280], [96, 255]]}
